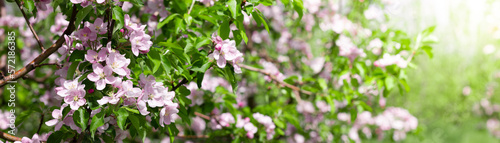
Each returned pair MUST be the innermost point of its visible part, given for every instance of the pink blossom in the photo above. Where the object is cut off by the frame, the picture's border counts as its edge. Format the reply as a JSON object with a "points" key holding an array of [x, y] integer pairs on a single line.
{"points": [[75, 100], [60, 24], [4, 120], [34, 139], [251, 130], [198, 125], [225, 50], [195, 96], [267, 122], [94, 57], [156, 7], [388, 60], [247, 125], [99, 26], [129, 24], [58, 118], [157, 96], [167, 113], [323, 106], [140, 41], [348, 49], [113, 98], [128, 90], [70, 88], [142, 107], [208, 2], [118, 63], [101, 76], [305, 107], [86, 34]]}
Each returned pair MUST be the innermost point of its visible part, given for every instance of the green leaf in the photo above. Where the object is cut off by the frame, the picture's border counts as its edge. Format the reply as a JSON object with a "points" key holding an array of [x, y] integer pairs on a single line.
{"points": [[188, 19], [72, 70], [154, 56], [224, 30], [81, 118], [97, 121], [428, 51], [428, 31], [390, 82], [299, 7], [121, 118], [22, 117], [201, 66], [82, 14], [118, 16], [199, 79], [167, 20], [135, 2], [138, 124], [260, 19], [202, 41], [77, 55], [233, 8], [30, 5], [59, 136], [177, 50], [172, 131]]}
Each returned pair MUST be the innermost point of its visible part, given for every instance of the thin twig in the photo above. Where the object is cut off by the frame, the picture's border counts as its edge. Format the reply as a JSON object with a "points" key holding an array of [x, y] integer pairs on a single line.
{"points": [[191, 7], [29, 25], [9, 137], [295, 88], [49, 64], [44, 55], [40, 125], [202, 115]]}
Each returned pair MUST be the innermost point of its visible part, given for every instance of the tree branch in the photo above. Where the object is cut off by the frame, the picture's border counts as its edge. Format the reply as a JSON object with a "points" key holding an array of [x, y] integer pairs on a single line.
{"points": [[202, 115], [41, 123], [295, 88], [29, 25], [9, 137], [45, 54]]}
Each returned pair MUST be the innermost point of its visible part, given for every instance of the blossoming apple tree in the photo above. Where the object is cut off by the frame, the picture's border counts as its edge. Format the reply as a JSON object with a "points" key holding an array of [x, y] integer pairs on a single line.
{"points": [[206, 70]]}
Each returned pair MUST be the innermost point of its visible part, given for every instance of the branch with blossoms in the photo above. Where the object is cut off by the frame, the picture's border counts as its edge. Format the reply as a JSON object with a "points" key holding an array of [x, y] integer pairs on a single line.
{"points": [[45, 53], [139, 69]]}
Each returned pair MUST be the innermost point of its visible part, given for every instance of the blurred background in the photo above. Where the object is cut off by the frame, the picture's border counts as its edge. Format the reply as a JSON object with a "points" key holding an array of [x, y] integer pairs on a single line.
{"points": [[455, 94]]}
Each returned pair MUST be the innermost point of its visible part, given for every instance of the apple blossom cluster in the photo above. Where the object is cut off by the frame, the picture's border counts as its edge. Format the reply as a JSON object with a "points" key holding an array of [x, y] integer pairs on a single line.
{"points": [[225, 120], [388, 60], [267, 122], [348, 49], [393, 118], [35, 139], [109, 71], [493, 126], [225, 51], [139, 39]]}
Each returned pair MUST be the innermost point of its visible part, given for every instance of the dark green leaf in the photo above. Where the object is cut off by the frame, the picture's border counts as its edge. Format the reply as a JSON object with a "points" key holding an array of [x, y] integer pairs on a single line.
{"points": [[118, 17], [81, 118], [121, 118], [224, 30], [97, 121]]}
